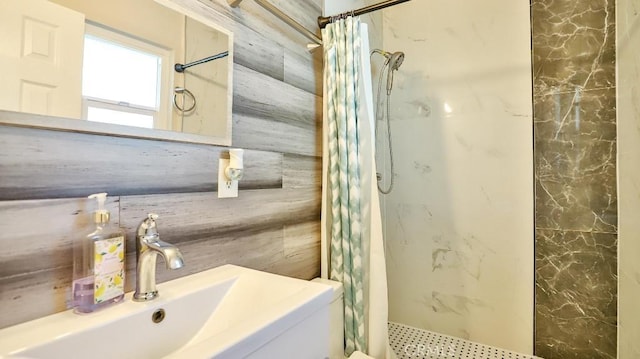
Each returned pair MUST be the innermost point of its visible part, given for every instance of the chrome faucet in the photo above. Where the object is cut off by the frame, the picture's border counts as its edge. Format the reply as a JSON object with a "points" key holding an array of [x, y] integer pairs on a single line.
{"points": [[148, 246]]}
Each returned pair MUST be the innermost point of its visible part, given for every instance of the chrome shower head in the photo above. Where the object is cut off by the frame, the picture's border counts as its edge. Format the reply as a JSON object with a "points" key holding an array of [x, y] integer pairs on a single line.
{"points": [[395, 60]]}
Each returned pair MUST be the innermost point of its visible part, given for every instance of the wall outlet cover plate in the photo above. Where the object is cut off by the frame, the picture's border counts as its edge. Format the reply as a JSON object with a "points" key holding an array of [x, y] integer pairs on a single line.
{"points": [[226, 188]]}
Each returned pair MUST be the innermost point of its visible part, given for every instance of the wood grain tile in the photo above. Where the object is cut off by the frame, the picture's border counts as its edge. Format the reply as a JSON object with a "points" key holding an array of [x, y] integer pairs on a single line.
{"points": [[262, 96], [301, 251], [301, 172], [80, 164], [188, 216], [36, 235], [270, 135], [298, 73]]}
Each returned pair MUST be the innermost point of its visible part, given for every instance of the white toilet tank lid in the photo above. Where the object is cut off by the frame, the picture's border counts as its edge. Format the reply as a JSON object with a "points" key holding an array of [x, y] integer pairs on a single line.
{"points": [[337, 286]]}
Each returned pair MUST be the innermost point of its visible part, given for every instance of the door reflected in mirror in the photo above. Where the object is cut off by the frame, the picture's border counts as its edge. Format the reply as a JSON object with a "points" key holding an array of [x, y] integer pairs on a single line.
{"points": [[111, 67]]}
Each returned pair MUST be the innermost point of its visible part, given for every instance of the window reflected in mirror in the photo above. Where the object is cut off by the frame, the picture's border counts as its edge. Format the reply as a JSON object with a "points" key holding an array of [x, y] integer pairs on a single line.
{"points": [[122, 80]]}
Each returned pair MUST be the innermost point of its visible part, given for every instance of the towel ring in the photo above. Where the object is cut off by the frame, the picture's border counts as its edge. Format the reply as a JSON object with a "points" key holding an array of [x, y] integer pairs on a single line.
{"points": [[182, 90]]}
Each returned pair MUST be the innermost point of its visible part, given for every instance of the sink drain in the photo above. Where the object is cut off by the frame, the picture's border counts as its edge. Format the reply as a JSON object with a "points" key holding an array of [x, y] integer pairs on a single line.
{"points": [[158, 316]]}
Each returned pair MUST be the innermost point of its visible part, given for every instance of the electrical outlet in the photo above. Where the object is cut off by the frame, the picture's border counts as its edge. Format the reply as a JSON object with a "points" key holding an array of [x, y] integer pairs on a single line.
{"points": [[226, 188]]}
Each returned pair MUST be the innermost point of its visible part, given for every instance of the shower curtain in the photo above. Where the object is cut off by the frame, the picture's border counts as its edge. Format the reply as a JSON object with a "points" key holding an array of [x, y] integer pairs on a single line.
{"points": [[352, 249]]}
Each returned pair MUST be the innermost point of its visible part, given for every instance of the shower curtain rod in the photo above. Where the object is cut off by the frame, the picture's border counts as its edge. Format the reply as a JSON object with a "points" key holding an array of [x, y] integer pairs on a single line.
{"points": [[322, 20], [325, 20]]}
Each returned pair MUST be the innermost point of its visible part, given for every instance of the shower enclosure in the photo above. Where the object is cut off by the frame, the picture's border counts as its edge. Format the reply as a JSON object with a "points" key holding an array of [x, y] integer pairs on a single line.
{"points": [[508, 173], [513, 218], [459, 221]]}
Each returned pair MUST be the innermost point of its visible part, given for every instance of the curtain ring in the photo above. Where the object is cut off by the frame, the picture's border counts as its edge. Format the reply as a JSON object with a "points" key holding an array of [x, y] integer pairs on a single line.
{"points": [[182, 90]]}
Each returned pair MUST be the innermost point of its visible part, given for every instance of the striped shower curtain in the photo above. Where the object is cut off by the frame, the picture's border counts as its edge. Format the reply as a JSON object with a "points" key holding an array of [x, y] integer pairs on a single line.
{"points": [[342, 76]]}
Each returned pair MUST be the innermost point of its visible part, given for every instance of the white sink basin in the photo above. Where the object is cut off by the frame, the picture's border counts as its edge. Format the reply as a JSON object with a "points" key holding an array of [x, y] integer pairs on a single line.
{"points": [[225, 312]]}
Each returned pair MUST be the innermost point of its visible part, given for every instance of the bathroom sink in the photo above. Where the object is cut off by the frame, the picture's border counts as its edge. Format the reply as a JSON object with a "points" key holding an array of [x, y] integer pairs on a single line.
{"points": [[225, 312]]}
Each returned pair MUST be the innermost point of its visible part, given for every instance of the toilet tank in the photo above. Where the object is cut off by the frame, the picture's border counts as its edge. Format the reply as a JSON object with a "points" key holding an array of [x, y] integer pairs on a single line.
{"points": [[336, 319]]}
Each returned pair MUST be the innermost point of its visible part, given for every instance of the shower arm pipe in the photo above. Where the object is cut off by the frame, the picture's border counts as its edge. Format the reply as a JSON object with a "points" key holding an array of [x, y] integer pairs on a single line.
{"points": [[181, 67], [284, 17], [325, 20]]}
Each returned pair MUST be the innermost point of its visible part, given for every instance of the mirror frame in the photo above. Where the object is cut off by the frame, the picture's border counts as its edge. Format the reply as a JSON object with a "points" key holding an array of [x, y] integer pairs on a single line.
{"points": [[22, 119]]}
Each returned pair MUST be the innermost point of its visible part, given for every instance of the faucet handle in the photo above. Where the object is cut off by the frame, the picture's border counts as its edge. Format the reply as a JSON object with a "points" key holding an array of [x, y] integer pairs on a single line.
{"points": [[148, 226]]}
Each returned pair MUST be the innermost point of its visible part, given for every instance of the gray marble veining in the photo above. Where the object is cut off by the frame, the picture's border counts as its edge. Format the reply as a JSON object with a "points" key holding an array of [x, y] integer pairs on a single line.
{"points": [[576, 294], [575, 141], [573, 44], [574, 61]]}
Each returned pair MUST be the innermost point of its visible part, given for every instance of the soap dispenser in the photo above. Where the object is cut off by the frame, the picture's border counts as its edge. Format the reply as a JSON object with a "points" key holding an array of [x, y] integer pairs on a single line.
{"points": [[98, 263]]}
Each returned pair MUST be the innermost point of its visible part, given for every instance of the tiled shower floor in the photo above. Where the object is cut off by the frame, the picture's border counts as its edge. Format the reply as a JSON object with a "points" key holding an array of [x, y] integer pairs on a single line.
{"points": [[409, 342]]}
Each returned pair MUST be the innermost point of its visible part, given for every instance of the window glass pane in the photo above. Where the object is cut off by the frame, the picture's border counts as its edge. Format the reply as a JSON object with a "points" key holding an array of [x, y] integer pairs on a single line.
{"points": [[97, 114], [116, 73]]}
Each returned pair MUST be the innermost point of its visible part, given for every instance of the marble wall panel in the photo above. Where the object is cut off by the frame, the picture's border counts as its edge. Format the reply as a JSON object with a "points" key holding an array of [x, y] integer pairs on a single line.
{"points": [[575, 167], [576, 300], [459, 221], [574, 44], [575, 142]]}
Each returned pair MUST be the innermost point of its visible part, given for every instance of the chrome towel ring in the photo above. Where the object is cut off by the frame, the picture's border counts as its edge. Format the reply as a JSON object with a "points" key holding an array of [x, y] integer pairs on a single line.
{"points": [[180, 91]]}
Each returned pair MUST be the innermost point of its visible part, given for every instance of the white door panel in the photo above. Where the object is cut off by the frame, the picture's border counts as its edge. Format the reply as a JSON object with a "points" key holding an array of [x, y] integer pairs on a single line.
{"points": [[41, 58]]}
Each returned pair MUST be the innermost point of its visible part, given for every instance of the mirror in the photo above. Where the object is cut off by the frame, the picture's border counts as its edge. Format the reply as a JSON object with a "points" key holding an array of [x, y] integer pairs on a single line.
{"points": [[134, 68]]}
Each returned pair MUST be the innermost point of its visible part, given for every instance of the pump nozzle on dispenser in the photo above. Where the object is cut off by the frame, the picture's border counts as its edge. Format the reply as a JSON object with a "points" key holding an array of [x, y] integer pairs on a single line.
{"points": [[101, 215]]}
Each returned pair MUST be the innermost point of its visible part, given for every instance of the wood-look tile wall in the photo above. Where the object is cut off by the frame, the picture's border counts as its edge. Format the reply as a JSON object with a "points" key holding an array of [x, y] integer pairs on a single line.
{"points": [[273, 225]]}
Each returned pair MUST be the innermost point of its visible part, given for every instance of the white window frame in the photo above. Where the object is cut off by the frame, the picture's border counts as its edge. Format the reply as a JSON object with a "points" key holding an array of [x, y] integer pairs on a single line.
{"points": [[162, 114]]}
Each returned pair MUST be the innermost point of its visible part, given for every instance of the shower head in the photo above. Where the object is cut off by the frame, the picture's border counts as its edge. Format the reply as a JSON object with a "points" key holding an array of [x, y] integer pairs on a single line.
{"points": [[395, 60]]}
